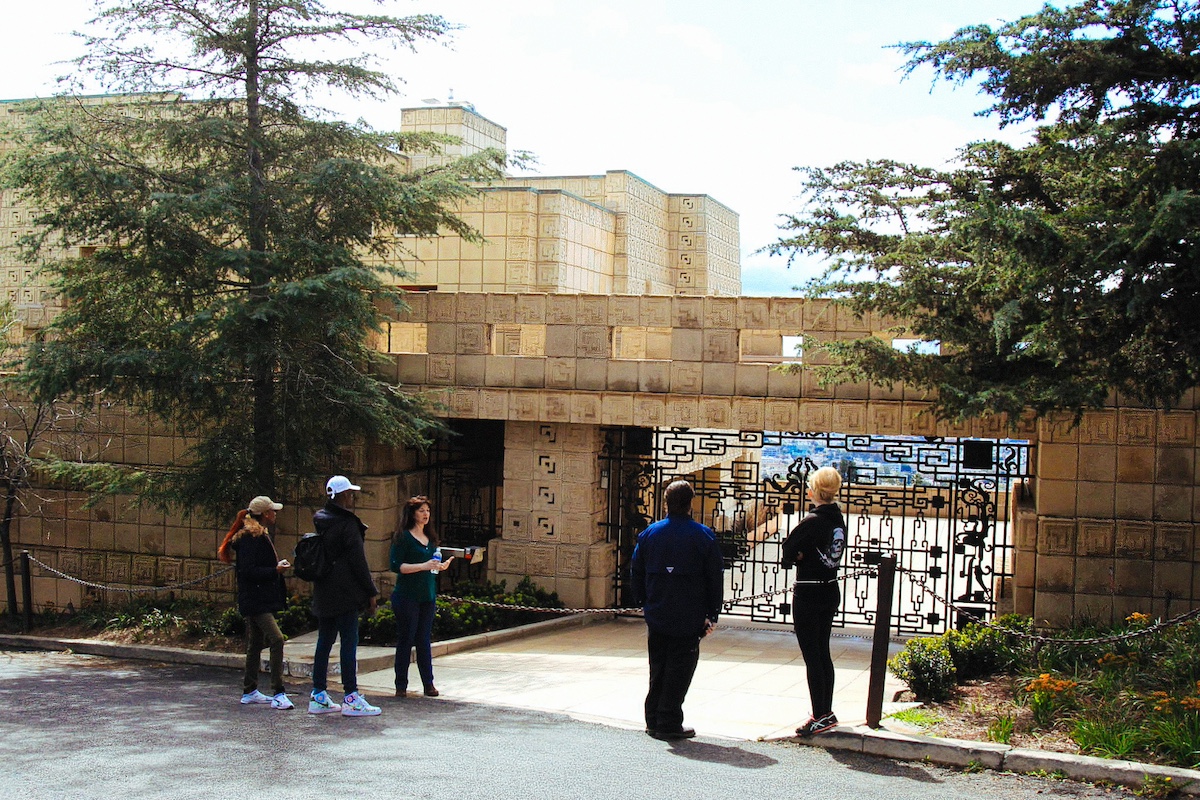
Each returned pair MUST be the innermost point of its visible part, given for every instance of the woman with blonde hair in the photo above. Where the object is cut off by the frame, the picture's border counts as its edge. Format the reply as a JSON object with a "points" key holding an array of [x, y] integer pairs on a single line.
{"points": [[260, 592], [416, 560], [814, 548]]}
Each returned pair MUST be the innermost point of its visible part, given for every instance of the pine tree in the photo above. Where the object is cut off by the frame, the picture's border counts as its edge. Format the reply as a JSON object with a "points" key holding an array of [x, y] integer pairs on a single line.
{"points": [[235, 239], [1051, 274]]}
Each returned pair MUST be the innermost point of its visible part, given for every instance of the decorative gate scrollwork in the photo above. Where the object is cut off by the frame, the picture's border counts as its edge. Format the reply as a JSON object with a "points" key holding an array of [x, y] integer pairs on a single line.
{"points": [[460, 473], [940, 505]]}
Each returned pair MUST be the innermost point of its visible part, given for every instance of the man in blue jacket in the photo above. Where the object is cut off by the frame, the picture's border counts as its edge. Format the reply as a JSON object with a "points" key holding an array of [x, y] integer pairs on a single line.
{"points": [[676, 577]]}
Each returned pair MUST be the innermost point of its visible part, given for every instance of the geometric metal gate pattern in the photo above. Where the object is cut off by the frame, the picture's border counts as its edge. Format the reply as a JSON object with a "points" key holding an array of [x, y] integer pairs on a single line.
{"points": [[940, 505], [461, 474]]}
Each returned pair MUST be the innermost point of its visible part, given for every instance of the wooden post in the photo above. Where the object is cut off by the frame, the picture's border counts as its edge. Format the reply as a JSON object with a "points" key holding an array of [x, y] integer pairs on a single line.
{"points": [[879, 645], [26, 593]]}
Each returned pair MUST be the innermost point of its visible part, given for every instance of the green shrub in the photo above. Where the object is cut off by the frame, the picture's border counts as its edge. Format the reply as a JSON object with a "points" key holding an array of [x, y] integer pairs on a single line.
{"points": [[378, 629], [926, 666], [296, 617], [978, 651], [454, 618], [209, 620]]}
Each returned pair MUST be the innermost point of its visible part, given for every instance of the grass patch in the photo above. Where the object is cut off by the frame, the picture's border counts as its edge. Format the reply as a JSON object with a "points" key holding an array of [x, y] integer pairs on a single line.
{"points": [[920, 717]]}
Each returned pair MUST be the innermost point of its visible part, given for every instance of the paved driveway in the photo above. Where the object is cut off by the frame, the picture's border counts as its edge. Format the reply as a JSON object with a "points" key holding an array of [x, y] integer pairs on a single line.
{"points": [[84, 727]]}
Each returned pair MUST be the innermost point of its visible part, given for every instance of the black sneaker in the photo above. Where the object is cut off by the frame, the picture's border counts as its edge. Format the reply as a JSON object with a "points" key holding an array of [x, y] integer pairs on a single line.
{"points": [[815, 726]]}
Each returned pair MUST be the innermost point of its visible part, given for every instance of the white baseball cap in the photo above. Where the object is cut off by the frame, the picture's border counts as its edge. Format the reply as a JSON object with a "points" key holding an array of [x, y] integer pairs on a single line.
{"points": [[338, 484]]}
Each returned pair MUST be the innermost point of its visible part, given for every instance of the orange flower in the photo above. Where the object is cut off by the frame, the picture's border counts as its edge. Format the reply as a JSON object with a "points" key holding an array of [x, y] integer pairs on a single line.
{"points": [[1045, 683]]}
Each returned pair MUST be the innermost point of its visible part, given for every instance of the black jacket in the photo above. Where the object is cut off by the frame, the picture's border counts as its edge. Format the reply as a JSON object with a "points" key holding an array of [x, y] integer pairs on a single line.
{"points": [[260, 587], [821, 538], [348, 586]]}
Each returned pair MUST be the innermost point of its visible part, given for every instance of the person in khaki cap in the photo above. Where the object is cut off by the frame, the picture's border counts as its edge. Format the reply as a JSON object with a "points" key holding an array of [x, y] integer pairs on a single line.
{"points": [[260, 592]]}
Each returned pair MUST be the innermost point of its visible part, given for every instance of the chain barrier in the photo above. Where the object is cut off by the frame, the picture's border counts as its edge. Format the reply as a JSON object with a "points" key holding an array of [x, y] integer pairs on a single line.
{"points": [[919, 582], [510, 607], [914, 578], [726, 606], [129, 589]]}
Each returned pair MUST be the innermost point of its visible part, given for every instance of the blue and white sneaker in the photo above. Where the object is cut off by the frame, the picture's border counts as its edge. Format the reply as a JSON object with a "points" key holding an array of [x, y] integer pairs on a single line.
{"points": [[319, 703], [355, 705], [254, 698], [282, 702]]}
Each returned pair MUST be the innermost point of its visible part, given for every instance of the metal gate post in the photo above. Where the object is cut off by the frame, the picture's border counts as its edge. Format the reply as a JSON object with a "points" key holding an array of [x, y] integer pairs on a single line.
{"points": [[879, 645], [26, 593]]}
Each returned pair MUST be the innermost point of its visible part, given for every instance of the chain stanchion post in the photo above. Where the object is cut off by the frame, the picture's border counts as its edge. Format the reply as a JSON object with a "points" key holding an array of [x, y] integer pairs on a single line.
{"points": [[26, 593], [879, 645]]}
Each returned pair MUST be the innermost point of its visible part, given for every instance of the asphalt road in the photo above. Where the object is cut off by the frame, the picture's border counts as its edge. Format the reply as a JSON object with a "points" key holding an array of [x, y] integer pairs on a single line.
{"points": [[79, 727]]}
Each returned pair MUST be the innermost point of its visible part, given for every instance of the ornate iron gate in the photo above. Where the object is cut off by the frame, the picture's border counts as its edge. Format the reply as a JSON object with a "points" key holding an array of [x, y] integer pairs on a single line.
{"points": [[461, 474], [939, 505]]}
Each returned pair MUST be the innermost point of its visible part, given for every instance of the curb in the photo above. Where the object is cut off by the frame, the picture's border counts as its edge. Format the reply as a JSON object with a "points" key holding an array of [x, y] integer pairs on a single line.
{"points": [[960, 753], [372, 660]]}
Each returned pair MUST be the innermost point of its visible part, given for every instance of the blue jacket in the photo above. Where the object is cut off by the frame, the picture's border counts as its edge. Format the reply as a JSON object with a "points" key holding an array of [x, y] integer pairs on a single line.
{"points": [[676, 576]]}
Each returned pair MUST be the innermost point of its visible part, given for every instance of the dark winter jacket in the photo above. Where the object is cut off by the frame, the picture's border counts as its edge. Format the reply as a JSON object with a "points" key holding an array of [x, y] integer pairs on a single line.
{"points": [[676, 576], [821, 538], [348, 586], [260, 587]]}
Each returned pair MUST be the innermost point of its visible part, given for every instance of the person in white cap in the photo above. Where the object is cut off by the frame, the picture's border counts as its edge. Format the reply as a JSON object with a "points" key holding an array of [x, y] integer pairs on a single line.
{"points": [[339, 598], [260, 592]]}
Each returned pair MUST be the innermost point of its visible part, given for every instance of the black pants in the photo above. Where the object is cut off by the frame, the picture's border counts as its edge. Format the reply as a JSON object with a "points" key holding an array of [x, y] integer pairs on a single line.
{"points": [[813, 627], [672, 665]]}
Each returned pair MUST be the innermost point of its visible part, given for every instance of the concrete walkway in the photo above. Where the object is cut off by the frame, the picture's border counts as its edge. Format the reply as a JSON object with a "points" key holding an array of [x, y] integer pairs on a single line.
{"points": [[750, 683]]}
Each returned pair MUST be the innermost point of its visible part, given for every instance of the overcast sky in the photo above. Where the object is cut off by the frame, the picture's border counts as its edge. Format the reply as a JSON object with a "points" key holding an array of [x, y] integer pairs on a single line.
{"points": [[695, 96]]}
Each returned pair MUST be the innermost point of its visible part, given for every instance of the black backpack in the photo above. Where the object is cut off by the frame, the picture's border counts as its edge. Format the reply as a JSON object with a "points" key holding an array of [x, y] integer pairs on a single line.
{"points": [[309, 560]]}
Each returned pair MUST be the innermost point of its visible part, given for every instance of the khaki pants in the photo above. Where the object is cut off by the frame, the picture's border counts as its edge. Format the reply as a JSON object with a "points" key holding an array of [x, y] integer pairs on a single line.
{"points": [[261, 629]]}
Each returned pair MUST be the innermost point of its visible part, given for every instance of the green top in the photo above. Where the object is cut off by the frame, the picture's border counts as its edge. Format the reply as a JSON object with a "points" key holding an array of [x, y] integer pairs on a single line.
{"points": [[421, 586]]}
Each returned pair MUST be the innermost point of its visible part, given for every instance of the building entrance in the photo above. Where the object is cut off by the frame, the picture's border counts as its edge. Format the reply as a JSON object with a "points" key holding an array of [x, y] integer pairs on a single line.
{"points": [[940, 505]]}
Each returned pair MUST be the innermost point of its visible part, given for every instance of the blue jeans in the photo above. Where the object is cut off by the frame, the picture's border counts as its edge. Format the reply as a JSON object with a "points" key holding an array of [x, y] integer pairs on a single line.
{"points": [[345, 627], [414, 628]]}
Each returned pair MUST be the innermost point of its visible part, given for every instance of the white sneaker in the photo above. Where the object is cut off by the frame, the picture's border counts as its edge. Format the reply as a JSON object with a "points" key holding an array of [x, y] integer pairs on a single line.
{"points": [[281, 702], [319, 703], [355, 705], [254, 697]]}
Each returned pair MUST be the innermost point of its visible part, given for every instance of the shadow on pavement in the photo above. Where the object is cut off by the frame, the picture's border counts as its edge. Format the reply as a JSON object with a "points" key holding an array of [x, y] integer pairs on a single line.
{"points": [[877, 766], [720, 754]]}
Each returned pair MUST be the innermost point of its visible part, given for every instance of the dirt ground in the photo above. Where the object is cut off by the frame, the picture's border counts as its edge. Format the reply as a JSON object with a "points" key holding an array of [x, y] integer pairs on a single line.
{"points": [[977, 705], [171, 637]]}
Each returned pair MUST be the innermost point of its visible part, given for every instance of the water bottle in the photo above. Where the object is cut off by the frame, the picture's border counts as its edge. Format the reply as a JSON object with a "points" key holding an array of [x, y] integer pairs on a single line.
{"points": [[437, 556]]}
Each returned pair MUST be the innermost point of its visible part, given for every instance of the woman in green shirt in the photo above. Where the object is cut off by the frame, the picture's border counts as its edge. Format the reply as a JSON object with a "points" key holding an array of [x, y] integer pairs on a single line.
{"points": [[416, 561]]}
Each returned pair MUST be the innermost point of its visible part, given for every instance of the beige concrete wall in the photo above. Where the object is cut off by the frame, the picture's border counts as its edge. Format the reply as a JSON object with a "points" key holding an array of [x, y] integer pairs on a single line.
{"points": [[1109, 526], [705, 377], [552, 513], [1116, 518]]}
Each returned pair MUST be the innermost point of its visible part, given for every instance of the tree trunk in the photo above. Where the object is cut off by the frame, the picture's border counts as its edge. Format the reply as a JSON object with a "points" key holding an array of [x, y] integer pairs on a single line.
{"points": [[10, 577], [262, 365]]}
